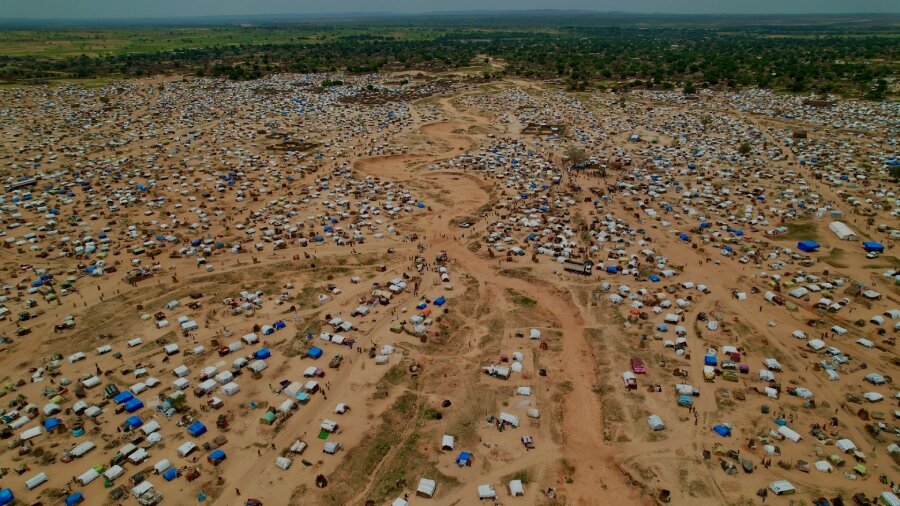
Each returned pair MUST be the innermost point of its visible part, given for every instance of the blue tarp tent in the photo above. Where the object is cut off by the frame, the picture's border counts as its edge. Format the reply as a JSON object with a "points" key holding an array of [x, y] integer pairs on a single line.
{"points": [[722, 430], [662, 327], [612, 269], [279, 324], [464, 459], [170, 474], [262, 353], [52, 423], [75, 498], [133, 405], [421, 306], [873, 246], [807, 246], [216, 456], [685, 401], [196, 429], [654, 278], [440, 301], [709, 360], [684, 237], [123, 397], [6, 496], [781, 422], [314, 352], [133, 422]]}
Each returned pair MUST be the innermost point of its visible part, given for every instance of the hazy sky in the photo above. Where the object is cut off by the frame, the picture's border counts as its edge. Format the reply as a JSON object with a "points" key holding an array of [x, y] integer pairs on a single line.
{"points": [[54, 9]]}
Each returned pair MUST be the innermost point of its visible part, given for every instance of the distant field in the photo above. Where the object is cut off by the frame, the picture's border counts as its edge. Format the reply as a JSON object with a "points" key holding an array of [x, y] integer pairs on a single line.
{"points": [[65, 43]]}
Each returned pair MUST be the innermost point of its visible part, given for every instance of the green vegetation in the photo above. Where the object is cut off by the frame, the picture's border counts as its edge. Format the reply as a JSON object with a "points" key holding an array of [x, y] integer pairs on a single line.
{"points": [[801, 230], [834, 258], [847, 55], [520, 299]]}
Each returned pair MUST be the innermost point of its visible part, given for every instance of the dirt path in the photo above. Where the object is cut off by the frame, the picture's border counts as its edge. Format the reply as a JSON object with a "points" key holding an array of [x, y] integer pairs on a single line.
{"points": [[581, 426]]}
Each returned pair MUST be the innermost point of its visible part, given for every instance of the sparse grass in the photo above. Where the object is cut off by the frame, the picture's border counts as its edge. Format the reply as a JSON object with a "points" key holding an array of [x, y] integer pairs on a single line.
{"points": [[394, 376], [801, 230], [519, 299], [833, 258], [524, 475]]}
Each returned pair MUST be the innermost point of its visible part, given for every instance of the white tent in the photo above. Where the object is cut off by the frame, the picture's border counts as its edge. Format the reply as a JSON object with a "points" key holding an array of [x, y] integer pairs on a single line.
{"points": [[845, 445], [816, 344], [283, 462], [788, 433], [486, 491], [113, 472], [448, 442], [510, 419], [88, 476], [426, 487], [161, 466], [824, 466], [186, 448], [655, 422], [516, 488], [782, 487], [843, 232], [230, 388]]}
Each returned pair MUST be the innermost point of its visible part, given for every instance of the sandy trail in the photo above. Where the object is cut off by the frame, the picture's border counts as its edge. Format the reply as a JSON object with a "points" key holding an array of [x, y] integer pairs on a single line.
{"points": [[582, 433]]}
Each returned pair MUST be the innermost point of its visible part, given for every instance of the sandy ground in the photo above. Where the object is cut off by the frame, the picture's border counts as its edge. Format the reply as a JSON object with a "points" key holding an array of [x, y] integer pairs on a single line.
{"points": [[592, 443]]}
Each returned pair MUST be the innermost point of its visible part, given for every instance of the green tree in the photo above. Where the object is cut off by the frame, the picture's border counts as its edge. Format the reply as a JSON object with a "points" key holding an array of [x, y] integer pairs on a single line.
{"points": [[689, 89]]}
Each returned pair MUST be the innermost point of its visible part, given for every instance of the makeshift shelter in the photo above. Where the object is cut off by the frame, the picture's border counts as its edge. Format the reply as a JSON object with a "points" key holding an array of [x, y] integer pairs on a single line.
{"points": [[872, 246], [426, 488], [216, 457], [486, 492], [808, 246], [782, 487], [655, 422], [196, 429], [516, 488], [464, 459]]}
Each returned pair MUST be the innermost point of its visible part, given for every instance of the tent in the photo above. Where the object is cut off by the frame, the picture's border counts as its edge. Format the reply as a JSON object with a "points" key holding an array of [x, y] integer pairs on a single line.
{"points": [[426, 487], [464, 459], [6, 496], [808, 246], [843, 232], [186, 448], [262, 353], [448, 442], [215, 457], [782, 487], [789, 433], [196, 429], [314, 352], [133, 422], [516, 488], [170, 474], [486, 491], [52, 423], [75, 498], [133, 405], [871, 246], [722, 430], [656, 422], [123, 397]]}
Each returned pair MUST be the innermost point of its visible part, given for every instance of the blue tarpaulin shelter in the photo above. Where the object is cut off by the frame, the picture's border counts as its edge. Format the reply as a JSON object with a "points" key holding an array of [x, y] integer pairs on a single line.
{"points": [[262, 353], [52, 423], [654, 278], [662, 327], [685, 401], [6, 496], [684, 237], [873, 246], [170, 474], [440, 301], [612, 269], [314, 352], [722, 430], [133, 422], [709, 360], [196, 429], [133, 405], [421, 306], [216, 456], [123, 397], [464, 459], [75, 498], [808, 246]]}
